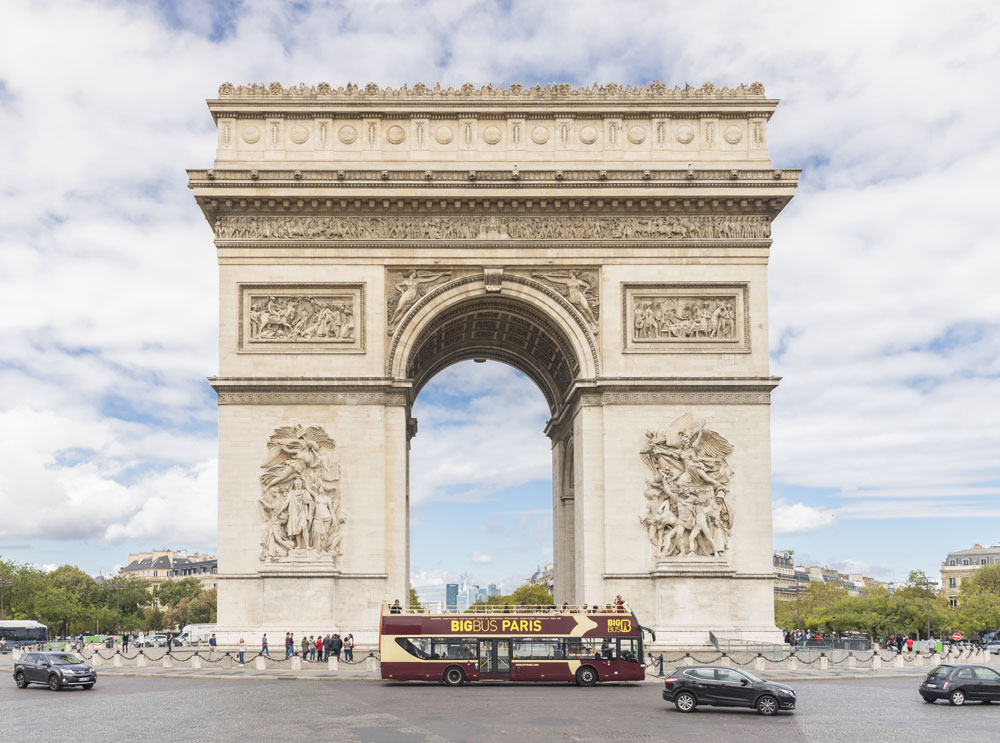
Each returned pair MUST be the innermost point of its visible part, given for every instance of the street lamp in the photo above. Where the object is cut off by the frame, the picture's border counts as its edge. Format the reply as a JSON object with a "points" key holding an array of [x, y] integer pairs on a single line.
{"points": [[926, 585], [118, 587], [3, 587]]}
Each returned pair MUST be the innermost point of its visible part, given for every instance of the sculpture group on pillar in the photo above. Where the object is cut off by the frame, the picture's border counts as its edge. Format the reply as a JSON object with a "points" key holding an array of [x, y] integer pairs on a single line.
{"points": [[300, 499], [687, 509]]}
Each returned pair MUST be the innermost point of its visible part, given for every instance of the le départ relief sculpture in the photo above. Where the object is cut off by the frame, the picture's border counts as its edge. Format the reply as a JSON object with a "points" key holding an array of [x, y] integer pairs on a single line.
{"points": [[687, 510], [300, 500]]}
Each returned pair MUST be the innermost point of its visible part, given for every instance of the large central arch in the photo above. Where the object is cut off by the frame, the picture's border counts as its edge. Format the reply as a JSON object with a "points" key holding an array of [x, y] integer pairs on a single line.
{"points": [[611, 243]]}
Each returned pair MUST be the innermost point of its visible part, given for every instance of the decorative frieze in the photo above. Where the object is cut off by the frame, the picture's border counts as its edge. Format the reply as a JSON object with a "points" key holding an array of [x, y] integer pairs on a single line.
{"points": [[301, 318], [686, 318], [404, 288], [580, 288], [678, 227]]}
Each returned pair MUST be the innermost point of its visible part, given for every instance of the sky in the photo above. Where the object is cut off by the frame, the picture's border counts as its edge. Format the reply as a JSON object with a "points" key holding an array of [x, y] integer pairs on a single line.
{"points": [[884, 312]]}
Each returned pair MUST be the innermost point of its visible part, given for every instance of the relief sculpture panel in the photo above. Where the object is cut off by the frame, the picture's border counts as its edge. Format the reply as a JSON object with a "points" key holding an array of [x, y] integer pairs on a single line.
{"points": [[687, 498], [300, 496], [301, 318], [652, 227], [684, 318]]}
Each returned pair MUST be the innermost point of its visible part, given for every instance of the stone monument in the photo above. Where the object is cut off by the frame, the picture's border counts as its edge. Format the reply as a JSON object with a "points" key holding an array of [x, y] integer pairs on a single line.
{"points": [[610, 242]]}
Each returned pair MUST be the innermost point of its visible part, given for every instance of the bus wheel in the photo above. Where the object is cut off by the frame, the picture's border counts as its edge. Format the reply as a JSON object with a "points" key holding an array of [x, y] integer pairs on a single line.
{"points": [[586, 676], [454, 676]]}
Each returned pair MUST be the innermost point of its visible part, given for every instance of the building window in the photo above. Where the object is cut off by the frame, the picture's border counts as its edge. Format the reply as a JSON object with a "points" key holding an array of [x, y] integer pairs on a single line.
{"points": [[965, 561], [951, 562], [983, 561], [952, 602], [951, 583]]}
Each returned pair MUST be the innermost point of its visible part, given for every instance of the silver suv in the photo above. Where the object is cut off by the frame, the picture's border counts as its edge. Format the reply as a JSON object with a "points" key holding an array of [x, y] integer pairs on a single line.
{"points": [[56, 670]]}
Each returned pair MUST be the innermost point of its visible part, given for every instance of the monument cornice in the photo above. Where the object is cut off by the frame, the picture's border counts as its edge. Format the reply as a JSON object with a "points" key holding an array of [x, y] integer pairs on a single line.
{"points": [[310, 391]]}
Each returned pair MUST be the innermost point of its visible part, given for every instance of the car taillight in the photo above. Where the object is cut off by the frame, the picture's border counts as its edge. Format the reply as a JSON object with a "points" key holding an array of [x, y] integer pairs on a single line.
{"points": [[945, 687], [670, 680]]}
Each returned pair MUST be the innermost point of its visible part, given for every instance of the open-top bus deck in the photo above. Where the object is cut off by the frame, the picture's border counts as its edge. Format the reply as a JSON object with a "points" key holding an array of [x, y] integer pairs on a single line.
{"points": [[585, 645]]}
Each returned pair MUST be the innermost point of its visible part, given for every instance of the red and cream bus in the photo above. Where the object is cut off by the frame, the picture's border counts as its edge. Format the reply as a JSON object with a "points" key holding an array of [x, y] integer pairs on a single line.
{"points": [[517, 643]]}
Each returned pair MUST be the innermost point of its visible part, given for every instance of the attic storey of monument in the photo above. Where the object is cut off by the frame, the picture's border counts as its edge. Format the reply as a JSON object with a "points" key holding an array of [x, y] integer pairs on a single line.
{"points": [[610, 242]]}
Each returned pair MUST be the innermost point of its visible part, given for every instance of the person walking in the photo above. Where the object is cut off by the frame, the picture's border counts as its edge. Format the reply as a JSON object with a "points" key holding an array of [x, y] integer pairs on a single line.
{"points": [[289, 647], [263, 647], [349, 648], [240, 650], [212, 645]]}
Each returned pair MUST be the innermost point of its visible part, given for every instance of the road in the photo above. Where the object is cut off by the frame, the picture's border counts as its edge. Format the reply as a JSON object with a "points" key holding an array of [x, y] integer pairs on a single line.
{"points": [[216, 710]]}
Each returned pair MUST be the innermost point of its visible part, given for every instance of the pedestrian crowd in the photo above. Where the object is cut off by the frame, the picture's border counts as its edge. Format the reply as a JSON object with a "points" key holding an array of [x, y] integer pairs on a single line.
{"points": [[313, 649]]}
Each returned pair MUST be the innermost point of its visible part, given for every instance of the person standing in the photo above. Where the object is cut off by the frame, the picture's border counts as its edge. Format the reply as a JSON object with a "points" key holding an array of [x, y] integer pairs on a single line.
{"points": [[909, 645], [349, 648], [263, 646], [240, 650], [309, 647], [327, 645], [125, 639], [212, 645], [305, 648], [395, 608], [319, 648], [335, 646]]}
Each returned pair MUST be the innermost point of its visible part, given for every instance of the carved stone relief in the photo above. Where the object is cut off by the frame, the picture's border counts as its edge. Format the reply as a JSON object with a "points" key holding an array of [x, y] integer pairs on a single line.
{"points": [[297, 318], [678, 318], [581, 289], [679, 227], [687, 510], [404, 288], [300, 498]]}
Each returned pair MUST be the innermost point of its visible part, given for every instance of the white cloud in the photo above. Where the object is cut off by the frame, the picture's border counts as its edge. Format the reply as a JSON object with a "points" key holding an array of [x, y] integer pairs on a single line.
{"points": [[798, 518], [480, 559]]}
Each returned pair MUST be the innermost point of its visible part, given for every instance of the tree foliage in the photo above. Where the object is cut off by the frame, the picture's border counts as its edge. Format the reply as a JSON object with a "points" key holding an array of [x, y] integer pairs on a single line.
{"points": [[69, 601], [527, 595], [415, 604]]}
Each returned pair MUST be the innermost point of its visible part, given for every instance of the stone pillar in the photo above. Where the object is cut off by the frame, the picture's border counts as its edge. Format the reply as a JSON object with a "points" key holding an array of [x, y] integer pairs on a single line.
{"points": [[918, 660], [793, 663], [759, 663], [260, 663], [227, 661], [96, 660], [333, 664], [876, 662], [117, 660], [898, 661], [936, 659], [140, 662], [196, 662], [725, 660], [824, 662], [168, 660], [296, 663], [589, 539], [371, 665], [852, 662]]}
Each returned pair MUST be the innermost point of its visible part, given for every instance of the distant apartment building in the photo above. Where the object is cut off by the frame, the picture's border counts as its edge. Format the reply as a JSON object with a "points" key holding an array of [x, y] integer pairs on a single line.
{"points": [[790, 578], [543, 577], [157, 566], [961, 565]]}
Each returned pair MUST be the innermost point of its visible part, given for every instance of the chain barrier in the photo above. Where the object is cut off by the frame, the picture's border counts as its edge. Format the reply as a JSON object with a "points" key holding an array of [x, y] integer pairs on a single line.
{"points": [[777, 660]]}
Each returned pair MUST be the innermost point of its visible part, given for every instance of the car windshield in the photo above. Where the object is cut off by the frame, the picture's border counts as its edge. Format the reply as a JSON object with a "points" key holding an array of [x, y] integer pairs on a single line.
{"points": [[64, 660]]}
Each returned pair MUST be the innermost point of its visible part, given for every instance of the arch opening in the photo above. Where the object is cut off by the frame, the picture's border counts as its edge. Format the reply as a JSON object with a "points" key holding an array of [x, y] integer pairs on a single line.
{"points": [[498, 328]]}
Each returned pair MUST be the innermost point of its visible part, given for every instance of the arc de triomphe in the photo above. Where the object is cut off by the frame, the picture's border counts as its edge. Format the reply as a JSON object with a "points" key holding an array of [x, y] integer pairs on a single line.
{"points": [[609, 242]]}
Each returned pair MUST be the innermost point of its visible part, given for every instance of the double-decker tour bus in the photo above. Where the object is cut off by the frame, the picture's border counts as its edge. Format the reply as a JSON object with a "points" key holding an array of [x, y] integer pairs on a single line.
{"points": [[515, 643]]}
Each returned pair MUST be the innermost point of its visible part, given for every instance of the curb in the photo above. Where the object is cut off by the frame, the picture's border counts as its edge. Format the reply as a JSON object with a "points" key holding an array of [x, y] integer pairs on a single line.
{"points": [[232, 677]]}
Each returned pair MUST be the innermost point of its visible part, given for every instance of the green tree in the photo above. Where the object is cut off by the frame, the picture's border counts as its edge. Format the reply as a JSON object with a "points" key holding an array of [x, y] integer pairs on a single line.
{"points": [[415, 604], [172, 592]]}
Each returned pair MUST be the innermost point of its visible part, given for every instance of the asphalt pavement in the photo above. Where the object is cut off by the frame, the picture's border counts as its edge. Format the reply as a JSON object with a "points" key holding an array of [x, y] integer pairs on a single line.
{"points": [[169, 710]]}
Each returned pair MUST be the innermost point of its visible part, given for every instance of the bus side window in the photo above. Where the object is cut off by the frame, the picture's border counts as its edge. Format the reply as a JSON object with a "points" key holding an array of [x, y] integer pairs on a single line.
{"points": [[629, 649]]}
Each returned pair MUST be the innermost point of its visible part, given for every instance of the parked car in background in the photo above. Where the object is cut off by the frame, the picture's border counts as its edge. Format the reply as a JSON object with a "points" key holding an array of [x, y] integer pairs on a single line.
{"points": [[55, 670], [961, 683], [690, 686], [151, 641], [993, 647]]}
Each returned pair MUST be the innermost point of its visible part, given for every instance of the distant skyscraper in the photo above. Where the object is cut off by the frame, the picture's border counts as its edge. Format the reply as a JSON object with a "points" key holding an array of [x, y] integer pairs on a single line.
{"points": [[451, 596], [492, 590]]}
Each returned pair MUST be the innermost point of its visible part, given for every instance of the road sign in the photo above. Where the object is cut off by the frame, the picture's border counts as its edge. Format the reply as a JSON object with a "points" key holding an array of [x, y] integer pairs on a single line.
{"points": [[957, 636]]}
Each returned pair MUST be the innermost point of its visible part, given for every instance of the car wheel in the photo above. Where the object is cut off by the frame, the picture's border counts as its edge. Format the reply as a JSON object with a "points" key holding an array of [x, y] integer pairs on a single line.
{"points": [[957, 698], [586, 676], [685, 702], [929, 700], [21, 681], [767, 705], [88, 686], [454, 676], [54, 683]]}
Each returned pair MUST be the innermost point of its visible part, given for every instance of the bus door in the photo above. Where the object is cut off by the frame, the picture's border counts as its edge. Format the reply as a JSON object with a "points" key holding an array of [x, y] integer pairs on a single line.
{"points": [[494, 659]]}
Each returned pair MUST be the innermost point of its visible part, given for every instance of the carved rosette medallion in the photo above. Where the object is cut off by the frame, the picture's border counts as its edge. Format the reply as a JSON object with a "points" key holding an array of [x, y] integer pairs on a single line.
{"points": [[301, 318], [687, 513], [300, 501], [660, 228], [686, 318]]}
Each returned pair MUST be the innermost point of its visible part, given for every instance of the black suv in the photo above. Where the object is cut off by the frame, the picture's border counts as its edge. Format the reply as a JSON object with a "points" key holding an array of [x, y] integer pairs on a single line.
{"points": [[689, 686], [57, 670], [961, 683]]}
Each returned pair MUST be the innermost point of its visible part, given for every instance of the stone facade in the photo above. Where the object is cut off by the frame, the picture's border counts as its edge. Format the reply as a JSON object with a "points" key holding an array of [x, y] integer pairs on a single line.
{"points": [[609, 242], [962, 565]]}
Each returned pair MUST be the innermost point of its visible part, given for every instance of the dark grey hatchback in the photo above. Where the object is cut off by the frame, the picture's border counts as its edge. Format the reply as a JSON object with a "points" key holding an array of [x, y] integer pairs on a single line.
{"points": [[55, 670], [961, 683], [689, 686]]}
